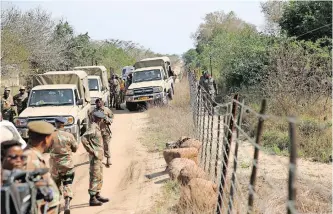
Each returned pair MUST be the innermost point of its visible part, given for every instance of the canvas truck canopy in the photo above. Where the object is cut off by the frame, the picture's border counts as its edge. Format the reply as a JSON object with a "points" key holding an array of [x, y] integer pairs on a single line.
{"points": [[98, 71], [78, 78], [152, 62]]}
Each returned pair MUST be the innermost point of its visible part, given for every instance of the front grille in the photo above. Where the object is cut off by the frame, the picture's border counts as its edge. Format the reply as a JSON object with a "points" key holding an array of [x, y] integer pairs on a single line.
{"points": [[46, 119], [142, 91]]}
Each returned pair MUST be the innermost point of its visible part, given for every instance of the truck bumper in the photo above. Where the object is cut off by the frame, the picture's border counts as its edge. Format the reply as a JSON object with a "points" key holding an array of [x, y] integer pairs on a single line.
{"points": [[24, 131], [144, 98]]}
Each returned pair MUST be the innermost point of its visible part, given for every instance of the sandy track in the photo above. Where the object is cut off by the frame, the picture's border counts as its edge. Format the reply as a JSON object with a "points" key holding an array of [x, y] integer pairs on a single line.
{"points": [[125, 182]]}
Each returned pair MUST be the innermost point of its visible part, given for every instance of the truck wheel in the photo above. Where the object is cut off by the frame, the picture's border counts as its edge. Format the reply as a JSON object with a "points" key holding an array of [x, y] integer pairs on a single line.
{"points": [[170, 93], [131, 106]]}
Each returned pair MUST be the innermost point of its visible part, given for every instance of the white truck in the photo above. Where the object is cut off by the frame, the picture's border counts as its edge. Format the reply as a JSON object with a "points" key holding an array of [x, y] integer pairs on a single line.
{"points": [[54, 94], [152, 82], [98, 83]]}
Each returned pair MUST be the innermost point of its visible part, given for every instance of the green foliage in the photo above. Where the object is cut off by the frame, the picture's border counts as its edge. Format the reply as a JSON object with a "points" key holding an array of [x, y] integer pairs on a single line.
{"points": [[308, 20]]}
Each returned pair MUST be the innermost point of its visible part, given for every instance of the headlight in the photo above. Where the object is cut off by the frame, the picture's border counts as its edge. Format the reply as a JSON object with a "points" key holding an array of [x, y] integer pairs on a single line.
{"points": [[157, 89], [70, 120], [20, 122], [129, 92]]}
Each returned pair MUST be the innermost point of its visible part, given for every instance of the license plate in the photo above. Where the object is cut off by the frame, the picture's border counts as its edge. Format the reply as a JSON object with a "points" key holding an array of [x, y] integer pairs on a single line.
{"points": [[143, 98]]}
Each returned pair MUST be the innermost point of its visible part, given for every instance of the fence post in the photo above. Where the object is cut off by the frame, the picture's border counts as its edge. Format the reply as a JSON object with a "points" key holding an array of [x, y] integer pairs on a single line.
{"points": [[211, 140], [256, 156], [233, 185], [227, 149], [199, 114], [208, 129], [292, 169], [203, 133], [218, 143]]}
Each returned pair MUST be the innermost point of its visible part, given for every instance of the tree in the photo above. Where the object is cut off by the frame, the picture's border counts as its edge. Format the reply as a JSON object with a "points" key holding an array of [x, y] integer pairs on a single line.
{"points": [[307, 20], [273, 12]]}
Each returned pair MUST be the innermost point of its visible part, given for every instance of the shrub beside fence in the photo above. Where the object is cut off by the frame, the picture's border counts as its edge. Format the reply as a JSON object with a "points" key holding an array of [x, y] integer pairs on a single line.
{"points": [[242, 186]]}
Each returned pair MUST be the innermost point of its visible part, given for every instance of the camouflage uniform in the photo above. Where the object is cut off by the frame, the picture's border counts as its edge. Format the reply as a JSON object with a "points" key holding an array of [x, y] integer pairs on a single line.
{"points": [[93, 142], [116, 91], [35, 160], [7, 111], [106, 135], [61, 160], [209, 86], [20, 100], [112, 93]]}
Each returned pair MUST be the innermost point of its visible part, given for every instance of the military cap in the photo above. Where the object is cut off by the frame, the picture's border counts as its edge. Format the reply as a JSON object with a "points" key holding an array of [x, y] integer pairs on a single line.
{"points": [[41, 127], [7, 89], [22, 88], [99, 114], [61, 119]]}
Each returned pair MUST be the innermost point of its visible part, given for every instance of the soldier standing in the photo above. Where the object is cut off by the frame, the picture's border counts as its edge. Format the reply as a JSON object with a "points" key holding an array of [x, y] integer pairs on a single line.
{"points": [[92, 142], [7, 102], [21, 99], [40, 140], [117, 92], [61, 160], [105, 128], [209, 86], [112, 93]]}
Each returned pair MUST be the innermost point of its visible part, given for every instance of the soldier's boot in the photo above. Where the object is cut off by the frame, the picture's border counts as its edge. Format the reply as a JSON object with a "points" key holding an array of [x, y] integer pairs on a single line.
{"points": [[101, 199], [108, 162], [94, 202], [67, 204]]}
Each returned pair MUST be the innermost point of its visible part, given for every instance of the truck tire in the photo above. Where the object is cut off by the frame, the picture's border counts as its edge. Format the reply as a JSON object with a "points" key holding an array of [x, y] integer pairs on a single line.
{"points": [[131, 106], [170, 93]]}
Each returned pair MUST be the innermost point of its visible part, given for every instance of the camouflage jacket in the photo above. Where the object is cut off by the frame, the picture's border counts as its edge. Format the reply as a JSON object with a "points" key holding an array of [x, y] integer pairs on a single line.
{"points": [[61, 152], [92, 141], [20, 100], [7, 102], [35, 160], [208, 84], [109, 117], [114, 86]]}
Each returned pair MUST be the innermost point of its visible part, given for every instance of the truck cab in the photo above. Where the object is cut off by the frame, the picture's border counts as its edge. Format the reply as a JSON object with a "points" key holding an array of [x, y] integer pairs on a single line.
{"points": [[151, 83], [98, 83], [49, 99]]}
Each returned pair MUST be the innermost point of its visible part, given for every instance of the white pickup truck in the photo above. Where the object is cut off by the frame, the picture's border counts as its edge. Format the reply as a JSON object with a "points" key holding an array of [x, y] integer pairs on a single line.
{"points": [[97, 82], [152, 82], [54, 94]]}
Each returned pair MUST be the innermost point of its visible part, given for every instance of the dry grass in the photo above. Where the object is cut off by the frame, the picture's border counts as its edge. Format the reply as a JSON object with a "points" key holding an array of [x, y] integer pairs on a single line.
{"points": [[170, 122]]}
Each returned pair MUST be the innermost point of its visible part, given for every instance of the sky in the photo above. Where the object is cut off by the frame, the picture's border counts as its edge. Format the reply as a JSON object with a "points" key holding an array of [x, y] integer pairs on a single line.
{"points": [[162, 26]]}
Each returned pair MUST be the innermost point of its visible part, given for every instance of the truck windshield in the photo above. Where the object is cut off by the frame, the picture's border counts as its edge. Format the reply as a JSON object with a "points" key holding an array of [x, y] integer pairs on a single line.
{"points": [[93, 84], [148, 75], [51, 97]]}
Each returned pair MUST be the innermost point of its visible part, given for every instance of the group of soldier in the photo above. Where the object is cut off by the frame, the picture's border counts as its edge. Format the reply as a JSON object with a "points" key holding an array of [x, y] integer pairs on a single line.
{"points": [[13, 106], [118, 88], [45, 138]]}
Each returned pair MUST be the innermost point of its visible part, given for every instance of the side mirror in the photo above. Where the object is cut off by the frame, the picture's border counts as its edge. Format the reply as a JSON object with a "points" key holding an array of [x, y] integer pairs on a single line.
{"points": [[79, 102]]}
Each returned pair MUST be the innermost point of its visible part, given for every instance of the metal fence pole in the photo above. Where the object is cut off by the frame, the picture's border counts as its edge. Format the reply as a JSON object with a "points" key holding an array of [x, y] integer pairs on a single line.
{"points": [[207, 136], [227, 149], [256, 156], [292, 169], [233, 183], [203, 133]]}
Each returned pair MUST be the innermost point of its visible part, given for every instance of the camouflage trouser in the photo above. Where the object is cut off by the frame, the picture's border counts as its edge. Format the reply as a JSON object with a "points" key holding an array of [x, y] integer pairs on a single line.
{"points": [[112, 99], [96, 175], [117, 99], [122, 96], [66, 179], [106, 145]]}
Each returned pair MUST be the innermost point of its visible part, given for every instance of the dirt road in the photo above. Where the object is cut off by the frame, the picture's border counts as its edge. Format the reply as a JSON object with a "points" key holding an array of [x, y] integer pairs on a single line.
{"points": [[125, 182]]}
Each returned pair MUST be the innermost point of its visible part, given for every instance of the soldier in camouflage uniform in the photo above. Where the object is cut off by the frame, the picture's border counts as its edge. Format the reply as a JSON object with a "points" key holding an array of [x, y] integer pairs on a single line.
{"points": [[209, 87], [40, 140], [112, 93], [20, 100], [117, 92], [7, 110], [61, 160], [93, 142], [105, 128]]}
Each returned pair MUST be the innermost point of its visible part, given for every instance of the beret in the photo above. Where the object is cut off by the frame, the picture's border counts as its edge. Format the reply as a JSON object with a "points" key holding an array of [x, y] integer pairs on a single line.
{"points": [[41, 127], [61, 119], [99, 114]]}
